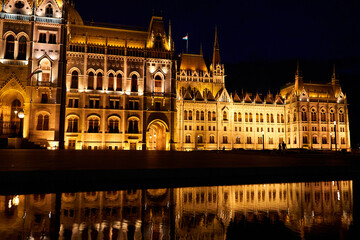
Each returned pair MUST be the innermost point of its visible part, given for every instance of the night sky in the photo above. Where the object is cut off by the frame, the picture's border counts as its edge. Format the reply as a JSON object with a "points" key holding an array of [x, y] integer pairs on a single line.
{"points": [[260, 40]]}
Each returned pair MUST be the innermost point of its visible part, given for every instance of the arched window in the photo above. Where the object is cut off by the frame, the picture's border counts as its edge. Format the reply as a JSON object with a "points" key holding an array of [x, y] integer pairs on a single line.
{"points": [[295, 116], [305, 139], [235, 117], [158, 84], [332, 115], [9, 50], [257, 117], [341, 116], [225, 117], [323, 115], [46, 70], [313, 115], [114, 125], [239, 117], [190, 115], [278, 118], [246, 117], [133, 126], [158, 42], [185, 115], [197, 115], [209, 116], [134, 83], [22, 48], [93, 124], [74, 80], [73, 123], [272, 117], [261, 117], [303, 115], [43, 122], [250, 117], [214, 116], [267, 118], [111, 82], [49, 11], [99, 81], [202, 117], [91, 80], [119, 82], [282, 118]]}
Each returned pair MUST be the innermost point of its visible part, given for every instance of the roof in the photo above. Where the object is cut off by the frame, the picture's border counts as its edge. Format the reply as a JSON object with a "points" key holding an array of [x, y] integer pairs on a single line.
{"points": [[193, 62], [74, 16]]}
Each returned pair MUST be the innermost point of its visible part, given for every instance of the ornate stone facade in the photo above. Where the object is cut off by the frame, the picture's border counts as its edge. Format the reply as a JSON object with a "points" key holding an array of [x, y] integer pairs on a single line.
{"points": [[125, 89]]}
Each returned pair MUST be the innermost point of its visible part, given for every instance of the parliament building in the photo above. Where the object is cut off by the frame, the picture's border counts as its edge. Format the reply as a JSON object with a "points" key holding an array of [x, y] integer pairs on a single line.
{"points": [[92, 86]]}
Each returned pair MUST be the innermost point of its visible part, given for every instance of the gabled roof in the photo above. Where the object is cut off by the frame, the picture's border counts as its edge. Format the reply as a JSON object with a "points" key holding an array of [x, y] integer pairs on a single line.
{"points": [[236, 97], [269, 98], [198, 96], [210, 96], [247, 98], [258, 99]]}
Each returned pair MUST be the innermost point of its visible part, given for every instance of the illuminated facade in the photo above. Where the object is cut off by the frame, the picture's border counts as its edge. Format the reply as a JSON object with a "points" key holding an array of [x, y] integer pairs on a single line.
{"points": [[125, 89]]}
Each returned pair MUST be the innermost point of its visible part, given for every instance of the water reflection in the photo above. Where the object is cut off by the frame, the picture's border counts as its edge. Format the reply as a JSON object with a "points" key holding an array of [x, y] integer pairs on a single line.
{"points": [[291, 210]]}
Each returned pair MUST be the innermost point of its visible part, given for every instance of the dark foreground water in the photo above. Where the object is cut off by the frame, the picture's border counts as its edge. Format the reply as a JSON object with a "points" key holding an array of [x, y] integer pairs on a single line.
{"points": [[308, 210]]}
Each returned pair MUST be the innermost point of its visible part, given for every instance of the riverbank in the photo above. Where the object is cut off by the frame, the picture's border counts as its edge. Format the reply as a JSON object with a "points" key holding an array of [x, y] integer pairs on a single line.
{"points": [[30, 171]]}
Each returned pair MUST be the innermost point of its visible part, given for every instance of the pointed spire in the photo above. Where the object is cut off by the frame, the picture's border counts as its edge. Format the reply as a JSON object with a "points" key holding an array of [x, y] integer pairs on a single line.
{"points": [[170, 35], [298, 79], [334, 75], [201, 50], [216, 53]]}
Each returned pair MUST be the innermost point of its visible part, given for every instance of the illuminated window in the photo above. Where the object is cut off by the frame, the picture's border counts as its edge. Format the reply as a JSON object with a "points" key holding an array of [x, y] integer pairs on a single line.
{"points": [[235, 117], [225, 118], [313, 115], [158, 84], [225, 139], [212, 139], [341, 116], [46, 70], [303, 115], [197, 115], [185, 115], [239, 117], [187, 139]]}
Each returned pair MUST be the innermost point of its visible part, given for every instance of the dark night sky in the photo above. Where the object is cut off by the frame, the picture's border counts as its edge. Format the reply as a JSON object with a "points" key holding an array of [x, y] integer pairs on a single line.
{"points": [[260, 40]]}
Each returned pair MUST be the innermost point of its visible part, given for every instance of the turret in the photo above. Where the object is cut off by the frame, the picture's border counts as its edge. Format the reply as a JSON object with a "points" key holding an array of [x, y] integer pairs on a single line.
{"points": [[216, 52]]}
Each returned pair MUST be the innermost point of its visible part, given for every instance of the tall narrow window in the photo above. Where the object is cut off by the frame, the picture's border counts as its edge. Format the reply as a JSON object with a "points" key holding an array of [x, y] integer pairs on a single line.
{"points": [[72, 125], [93, 125], [99, 81], [185, 115], [9, 51], [313, 115], [158, 84], [209, 116], [74, 80], [202, 117], [119, 82], [303, 115], [113, 126], [250, 117], [46, 122], [91, 80], [257, 117], [235, 117], [225, 118], [46, 70], [111, 82], [323, 115], [134, 83], [190, 115], [42, 38], [49, 11], [197, 115], [246, 117], [52, 38], [40, 122], [22, 48], [341, 116]]}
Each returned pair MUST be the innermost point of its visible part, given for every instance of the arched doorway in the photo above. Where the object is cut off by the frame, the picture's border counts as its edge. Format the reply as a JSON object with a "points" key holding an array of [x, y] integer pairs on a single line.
{"points": [[156, 135], [10, 106]]}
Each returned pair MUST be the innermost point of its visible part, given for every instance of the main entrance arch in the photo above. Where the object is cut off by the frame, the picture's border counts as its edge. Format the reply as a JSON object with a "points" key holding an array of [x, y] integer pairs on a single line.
{"points": [[156, 135]]}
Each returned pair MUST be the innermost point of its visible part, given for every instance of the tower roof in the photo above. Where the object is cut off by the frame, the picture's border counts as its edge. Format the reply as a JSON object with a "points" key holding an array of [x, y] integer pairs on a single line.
{"points": [[193, 62]]}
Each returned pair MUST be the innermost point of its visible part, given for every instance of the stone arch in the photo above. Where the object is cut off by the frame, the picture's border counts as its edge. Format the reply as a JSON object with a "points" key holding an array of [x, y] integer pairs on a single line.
{"points": [[22, 34], [136, 73], [9, 33], [74, 69], [157, 135]]}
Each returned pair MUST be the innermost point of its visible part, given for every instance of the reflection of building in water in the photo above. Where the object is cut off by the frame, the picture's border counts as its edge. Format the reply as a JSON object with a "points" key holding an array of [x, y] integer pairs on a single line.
{"points": [[183, 213]]}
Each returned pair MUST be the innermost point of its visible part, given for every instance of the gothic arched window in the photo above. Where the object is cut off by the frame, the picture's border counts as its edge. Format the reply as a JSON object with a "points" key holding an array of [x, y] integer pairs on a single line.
{"points": [[22, 48], [111, 82], [119, 82], [158, 84], [74, 80], [91, 80], [9, 50], [134, 83], [99, 81], [49, 11]]}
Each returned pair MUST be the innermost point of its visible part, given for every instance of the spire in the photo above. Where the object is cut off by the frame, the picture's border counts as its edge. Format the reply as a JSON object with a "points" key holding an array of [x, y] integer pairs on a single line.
{"points": [[201, 50], [298, 79], [334, 75], [170, 35], [216, 53]]}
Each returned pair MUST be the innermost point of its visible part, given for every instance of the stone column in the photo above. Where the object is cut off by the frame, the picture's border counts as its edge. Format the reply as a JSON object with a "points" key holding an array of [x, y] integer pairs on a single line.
{"points": [[16, 49]]}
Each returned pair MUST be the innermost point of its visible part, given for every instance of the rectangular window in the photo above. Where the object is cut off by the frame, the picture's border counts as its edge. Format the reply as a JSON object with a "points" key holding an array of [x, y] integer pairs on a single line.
{"points": [[157, 106], [42, 38], [248, 140], [225, 139], [52, 38]]}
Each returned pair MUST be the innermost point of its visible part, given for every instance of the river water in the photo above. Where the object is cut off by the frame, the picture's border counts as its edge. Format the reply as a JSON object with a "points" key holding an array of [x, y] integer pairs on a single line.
{"points": [[306, 210]]}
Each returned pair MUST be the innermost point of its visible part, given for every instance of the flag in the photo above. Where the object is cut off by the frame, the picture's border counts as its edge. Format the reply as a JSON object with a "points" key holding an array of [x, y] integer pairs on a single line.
{"points": [[36, 71], [186, 37]]}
